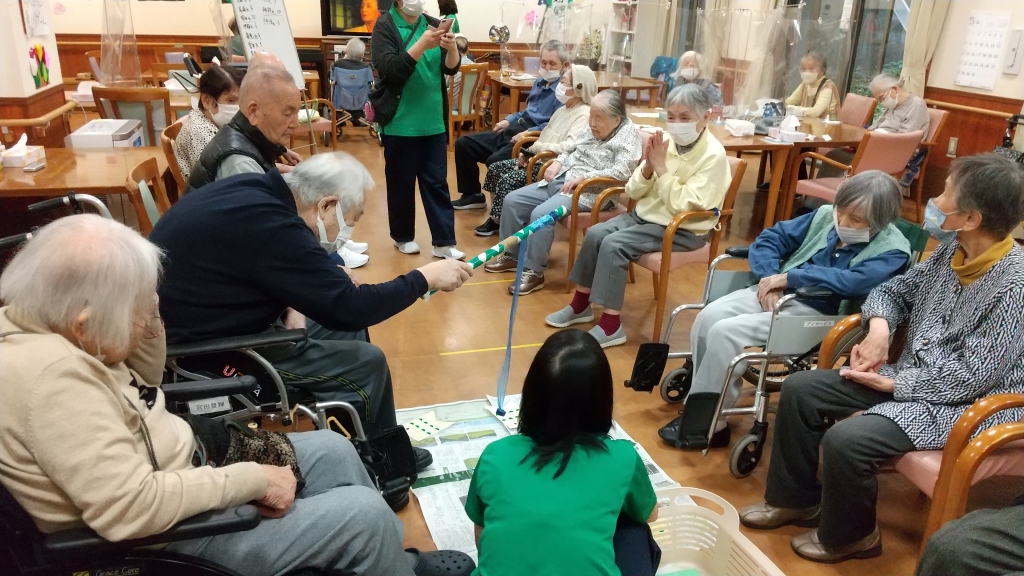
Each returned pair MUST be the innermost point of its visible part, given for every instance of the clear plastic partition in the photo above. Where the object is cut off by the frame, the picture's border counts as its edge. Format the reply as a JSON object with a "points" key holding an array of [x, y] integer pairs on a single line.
{"points": [[738, 56], [571, 24], [518, 34], [119, 51], [636, 33], [832, 39], [220, 25]]}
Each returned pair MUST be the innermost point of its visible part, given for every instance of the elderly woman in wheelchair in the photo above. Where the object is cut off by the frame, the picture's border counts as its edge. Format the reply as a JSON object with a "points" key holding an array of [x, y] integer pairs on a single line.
{"points": [[87, 441], [848, 249], [963, 315]]}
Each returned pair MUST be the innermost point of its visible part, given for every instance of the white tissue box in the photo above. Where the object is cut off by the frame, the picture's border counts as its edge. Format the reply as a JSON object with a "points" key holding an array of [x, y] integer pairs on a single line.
{"points": [[792, 136], [24, 157], [739, 127]]}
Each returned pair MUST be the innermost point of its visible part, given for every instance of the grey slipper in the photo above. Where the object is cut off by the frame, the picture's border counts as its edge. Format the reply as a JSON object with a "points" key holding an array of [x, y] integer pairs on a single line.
{"points": [[566, 317]]}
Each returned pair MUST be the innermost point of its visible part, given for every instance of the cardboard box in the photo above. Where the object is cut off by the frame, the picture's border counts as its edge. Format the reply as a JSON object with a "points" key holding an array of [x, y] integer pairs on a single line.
{"points": [[23, 157]]}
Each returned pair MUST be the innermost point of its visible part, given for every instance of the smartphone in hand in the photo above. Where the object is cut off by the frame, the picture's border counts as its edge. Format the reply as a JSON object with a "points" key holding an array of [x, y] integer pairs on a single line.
{"points": [[446, 25]]}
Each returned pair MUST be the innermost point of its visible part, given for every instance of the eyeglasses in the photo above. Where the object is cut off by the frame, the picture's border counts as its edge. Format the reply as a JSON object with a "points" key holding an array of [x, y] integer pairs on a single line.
{"points": [[152, 329]]}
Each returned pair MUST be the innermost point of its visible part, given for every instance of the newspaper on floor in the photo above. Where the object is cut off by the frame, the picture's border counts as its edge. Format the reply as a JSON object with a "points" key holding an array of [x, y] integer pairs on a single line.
{"points": [[442, 487]]}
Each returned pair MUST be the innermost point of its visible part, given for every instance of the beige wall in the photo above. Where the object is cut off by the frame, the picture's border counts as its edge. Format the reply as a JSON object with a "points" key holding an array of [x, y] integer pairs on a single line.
{"points": [[15, 80], [947, 54], [191, 17]]}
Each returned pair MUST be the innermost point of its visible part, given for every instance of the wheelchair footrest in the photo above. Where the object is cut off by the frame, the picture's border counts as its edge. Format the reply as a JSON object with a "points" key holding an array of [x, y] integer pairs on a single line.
{"points": [[648, 366]]}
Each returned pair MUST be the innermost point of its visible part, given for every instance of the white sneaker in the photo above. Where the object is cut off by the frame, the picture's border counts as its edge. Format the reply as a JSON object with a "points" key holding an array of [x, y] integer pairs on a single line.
{"points": [[352, 259], [408, 247], [448, 252], [356, 247]]}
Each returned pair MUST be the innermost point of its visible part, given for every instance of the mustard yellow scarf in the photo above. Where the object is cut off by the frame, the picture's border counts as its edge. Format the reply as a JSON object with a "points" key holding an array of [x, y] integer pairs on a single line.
{"points": [[968, 273]]}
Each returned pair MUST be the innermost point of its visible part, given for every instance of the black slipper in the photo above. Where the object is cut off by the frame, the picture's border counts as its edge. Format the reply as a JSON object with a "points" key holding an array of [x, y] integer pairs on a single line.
{"points": [[442, 563]]}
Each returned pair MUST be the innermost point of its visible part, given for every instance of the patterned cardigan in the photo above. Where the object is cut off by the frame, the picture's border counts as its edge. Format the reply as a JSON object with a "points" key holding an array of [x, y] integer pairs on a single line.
{"points": [[963, 343]]}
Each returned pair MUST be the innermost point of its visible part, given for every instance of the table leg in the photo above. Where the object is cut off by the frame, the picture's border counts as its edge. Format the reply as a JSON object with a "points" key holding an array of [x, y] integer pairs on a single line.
{"points": [[792, 176], [495, 100], [514, 97], [780, 158]]}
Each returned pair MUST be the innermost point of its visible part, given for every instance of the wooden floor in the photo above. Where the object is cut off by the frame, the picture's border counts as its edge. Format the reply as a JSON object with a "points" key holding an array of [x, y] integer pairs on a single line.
{"points": [[451, 347]]}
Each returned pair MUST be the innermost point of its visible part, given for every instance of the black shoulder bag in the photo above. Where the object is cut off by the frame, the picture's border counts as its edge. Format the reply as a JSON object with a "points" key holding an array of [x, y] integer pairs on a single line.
{"points": [[385, 99]]}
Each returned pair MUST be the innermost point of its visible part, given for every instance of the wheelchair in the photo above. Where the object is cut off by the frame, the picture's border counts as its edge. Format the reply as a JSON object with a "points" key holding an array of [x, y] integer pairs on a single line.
{"points": [[792, 345], [387, 454], [24, 551]]}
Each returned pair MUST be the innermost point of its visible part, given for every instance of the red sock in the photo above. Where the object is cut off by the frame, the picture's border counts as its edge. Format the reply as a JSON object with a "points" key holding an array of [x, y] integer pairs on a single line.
{"points": [[609, 323], [580, 301]]}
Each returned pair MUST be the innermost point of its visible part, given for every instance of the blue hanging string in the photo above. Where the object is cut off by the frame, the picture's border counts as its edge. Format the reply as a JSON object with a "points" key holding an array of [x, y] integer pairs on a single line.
{"points": [[503, 374]]}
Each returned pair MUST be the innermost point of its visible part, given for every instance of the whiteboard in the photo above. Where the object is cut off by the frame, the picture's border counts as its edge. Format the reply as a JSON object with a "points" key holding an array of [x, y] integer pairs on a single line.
{"points": [[264, 27]]}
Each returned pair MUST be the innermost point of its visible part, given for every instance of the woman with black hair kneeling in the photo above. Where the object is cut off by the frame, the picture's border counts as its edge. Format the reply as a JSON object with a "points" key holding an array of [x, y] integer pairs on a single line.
{"points": [[554, 498]]}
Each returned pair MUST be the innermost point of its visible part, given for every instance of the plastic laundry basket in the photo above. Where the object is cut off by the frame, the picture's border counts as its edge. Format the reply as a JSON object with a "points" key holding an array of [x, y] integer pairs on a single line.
{"points": [[694, 537]]}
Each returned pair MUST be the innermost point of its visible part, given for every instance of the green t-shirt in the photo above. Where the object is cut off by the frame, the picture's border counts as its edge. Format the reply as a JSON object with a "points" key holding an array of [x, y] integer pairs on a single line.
{"points": [[421, 107], [455, 25], [538, 525]]}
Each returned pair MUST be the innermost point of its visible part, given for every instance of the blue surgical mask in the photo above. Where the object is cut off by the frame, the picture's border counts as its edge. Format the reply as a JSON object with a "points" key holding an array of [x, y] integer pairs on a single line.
{"points": [[933, 220]]}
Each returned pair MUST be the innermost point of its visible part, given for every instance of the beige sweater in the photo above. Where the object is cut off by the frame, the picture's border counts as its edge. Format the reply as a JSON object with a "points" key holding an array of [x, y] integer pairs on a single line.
{"points": [[695, 181], [72, 450], [565, 126]]}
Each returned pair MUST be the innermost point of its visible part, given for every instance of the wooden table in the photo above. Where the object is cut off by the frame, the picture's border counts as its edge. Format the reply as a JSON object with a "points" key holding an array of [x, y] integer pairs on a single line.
{"points": [[605, 81], [842, 135], [86, 171], [780, 153]]}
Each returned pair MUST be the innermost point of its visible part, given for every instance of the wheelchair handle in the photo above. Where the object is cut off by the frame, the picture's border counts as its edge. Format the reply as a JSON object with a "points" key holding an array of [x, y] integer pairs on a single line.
{"points": [[47, 205], [74, 201], [12, 241]]}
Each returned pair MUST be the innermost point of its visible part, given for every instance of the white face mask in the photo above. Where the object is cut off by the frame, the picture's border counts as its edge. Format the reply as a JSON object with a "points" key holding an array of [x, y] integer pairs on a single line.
{"points": [[889, 102], [682, 133], [808, 77], [326, 243], [550, 75], [850, 235], [413, 7], [224, 114], [689, 74], [561, 93]]}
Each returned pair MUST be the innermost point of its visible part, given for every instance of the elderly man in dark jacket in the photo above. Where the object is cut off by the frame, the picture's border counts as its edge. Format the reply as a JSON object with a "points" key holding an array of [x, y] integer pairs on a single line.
{"points": [[255, 138]]}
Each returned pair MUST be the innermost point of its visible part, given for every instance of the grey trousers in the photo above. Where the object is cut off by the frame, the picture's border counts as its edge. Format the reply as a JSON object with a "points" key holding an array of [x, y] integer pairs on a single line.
{"points": [[338, 524], [339, 366], [527, 205], [851, 452], [610, 246], [720, 333], [982, 543]]}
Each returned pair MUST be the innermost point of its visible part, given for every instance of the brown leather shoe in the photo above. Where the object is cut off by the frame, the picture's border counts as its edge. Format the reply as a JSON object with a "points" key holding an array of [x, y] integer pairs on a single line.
{"points": [[809, 547], [503, 263], [764, 516], [531, 282]]}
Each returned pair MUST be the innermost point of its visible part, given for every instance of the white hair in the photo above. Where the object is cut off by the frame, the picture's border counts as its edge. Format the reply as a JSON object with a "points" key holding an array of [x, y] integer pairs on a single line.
{"points": [[336, 174], [355, 49], [700, 63], [886, 82], [84, 263], [694, 97]]}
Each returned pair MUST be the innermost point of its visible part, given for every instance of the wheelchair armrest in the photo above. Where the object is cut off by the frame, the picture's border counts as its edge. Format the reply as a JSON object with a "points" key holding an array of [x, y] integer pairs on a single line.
{"points": [[816, 293], [86, 542], [196, 389], [235, 343], [738, 251]]}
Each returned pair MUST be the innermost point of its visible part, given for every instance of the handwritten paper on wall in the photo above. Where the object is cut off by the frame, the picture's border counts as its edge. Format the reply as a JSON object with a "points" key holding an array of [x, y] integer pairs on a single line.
{"points": [[980, 62], [36, 23]]}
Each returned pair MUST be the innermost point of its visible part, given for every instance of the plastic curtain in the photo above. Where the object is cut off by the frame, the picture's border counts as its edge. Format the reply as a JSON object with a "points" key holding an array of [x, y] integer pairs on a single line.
{"points": [[220, 25], [832, 39], [738, 56], [523, 21], [119, 51]]}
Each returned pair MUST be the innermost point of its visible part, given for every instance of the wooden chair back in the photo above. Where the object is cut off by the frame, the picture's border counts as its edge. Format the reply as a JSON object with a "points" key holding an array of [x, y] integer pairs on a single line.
{"points": [[149, 172], [168, 141], [118, 103], [464, 103]]}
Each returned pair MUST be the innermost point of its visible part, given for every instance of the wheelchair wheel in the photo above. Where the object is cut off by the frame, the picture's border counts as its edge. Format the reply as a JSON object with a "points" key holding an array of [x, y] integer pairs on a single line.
{"points": [[844, 347], [676, 384], [745, 455]]}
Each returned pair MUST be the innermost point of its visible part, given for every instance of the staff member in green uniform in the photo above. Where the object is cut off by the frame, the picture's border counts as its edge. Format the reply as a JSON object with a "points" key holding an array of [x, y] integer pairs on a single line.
{"points": [[561, 498], [449, 9], [411, 57]]}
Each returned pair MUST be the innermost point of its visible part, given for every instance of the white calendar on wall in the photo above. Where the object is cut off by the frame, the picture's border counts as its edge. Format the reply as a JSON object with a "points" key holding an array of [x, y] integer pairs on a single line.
{"points": [[981, 59]]}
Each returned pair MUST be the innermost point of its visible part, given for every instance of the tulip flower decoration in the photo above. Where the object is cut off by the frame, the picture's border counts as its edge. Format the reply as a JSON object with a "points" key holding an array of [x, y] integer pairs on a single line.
{"points": [[39, 65]]}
